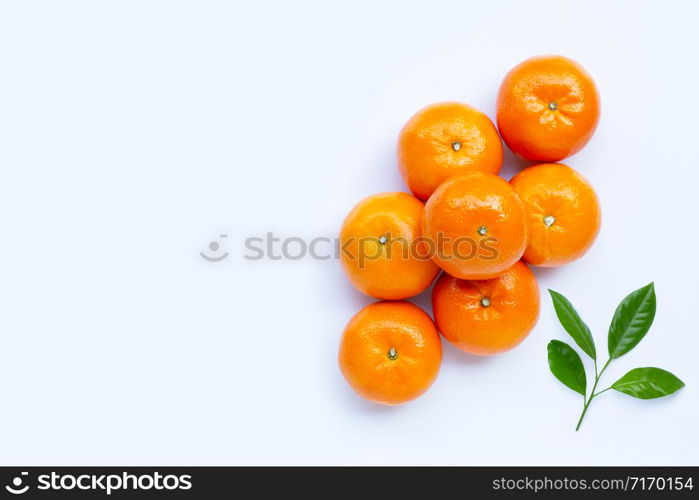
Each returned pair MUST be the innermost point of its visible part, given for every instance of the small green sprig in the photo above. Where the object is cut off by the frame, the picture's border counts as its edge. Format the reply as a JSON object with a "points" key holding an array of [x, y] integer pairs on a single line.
{"points": [[632, 320]]}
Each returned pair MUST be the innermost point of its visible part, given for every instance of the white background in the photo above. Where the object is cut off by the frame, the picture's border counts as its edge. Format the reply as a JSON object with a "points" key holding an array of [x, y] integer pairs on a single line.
{"points": [[133, 133]]}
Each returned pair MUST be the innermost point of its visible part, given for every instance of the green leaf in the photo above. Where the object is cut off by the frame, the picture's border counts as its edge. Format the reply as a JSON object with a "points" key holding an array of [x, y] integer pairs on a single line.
{"points": [[631, 321], [567, 366], [648, 383], [573, 324]]}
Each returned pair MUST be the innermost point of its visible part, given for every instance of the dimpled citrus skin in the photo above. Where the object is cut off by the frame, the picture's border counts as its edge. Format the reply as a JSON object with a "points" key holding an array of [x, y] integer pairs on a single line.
{"points": [[556, 190], [426, 146], [365, 352], [387, 272], [458, 209], [511, 313], [526, 120]]}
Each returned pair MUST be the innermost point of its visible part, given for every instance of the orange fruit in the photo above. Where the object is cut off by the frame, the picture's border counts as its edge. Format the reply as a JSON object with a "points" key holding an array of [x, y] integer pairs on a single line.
{"points": [[381, 251], [477, 224], [487, 316], [547, 109], [563, 213], [443, 140], [390, 352]]}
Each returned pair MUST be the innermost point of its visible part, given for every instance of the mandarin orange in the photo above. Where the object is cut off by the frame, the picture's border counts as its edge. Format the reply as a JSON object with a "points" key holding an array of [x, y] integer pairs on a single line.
{"points": [[547, 109], [487, 316], [476, 225], [390, 352], [563, 213], [381, 248], [444, 140]]}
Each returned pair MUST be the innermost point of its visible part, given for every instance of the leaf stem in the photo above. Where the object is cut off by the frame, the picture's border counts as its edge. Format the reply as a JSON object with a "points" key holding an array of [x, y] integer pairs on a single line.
{"points": [[592, 392], [603, 390]]}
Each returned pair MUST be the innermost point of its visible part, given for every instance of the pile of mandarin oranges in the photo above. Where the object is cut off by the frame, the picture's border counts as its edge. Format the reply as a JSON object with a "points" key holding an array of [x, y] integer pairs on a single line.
{"points": [[478, 230]]}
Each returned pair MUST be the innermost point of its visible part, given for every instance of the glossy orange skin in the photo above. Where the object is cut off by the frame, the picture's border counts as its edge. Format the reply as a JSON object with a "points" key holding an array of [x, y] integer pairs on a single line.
{"points": [[426, 157], [511, 314], [554, 189], [456, 211], [529, 127], [388, 272], [366, 343]]}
